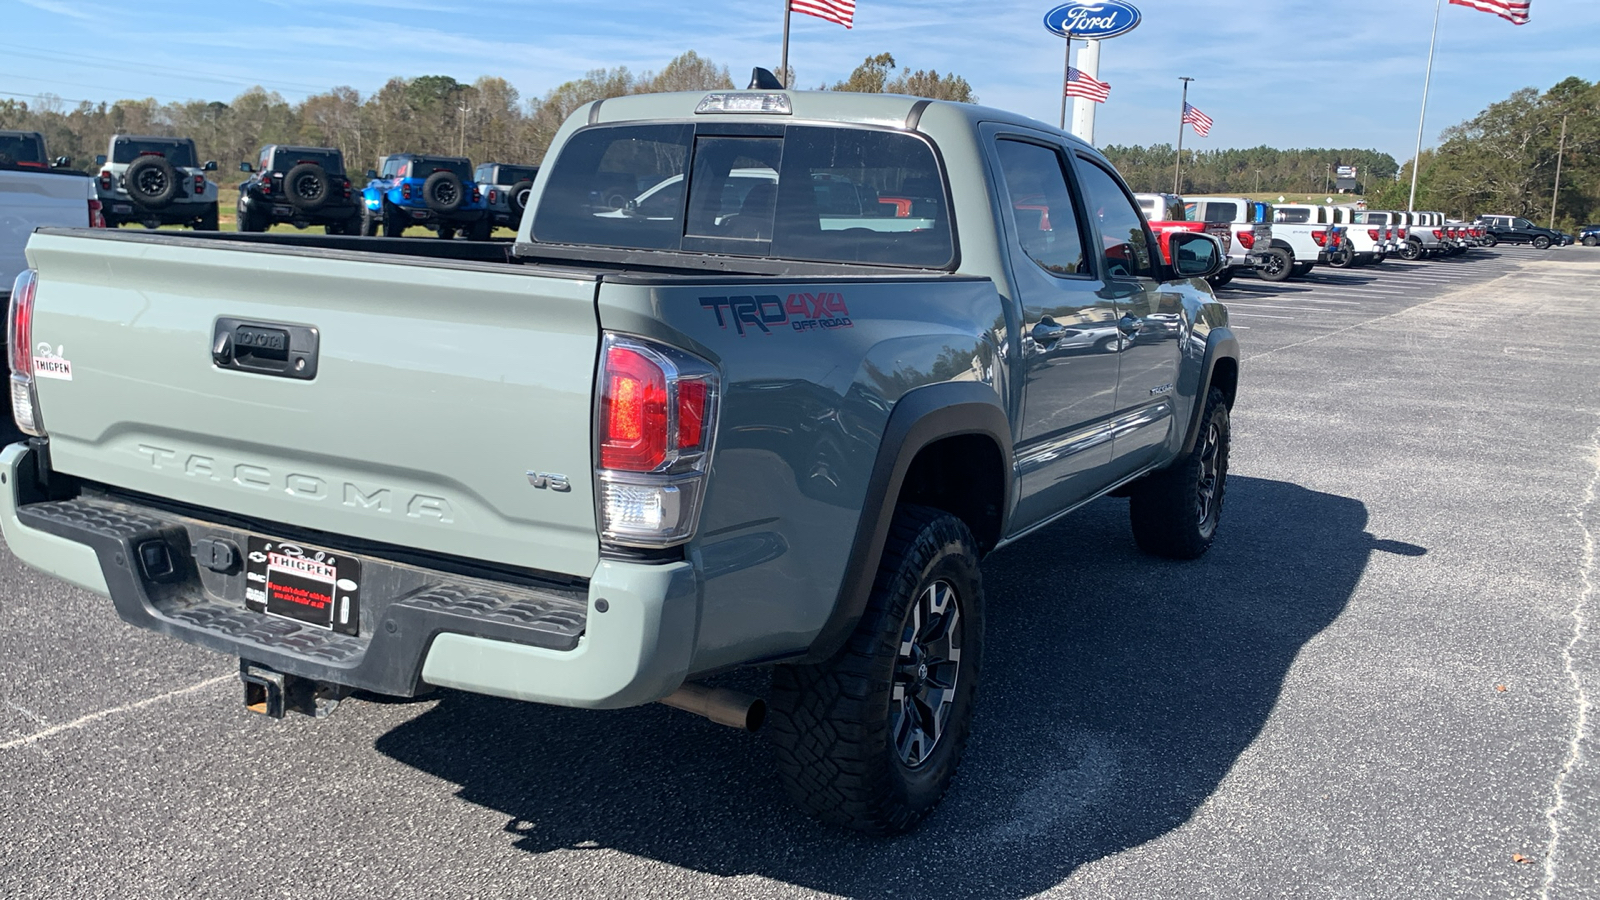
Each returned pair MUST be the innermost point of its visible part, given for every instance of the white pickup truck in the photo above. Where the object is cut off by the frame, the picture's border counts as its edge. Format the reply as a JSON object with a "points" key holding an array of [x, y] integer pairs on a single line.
{"points": [[1252, 234], [1425, 235], [1345, 246], [1389, 224]]}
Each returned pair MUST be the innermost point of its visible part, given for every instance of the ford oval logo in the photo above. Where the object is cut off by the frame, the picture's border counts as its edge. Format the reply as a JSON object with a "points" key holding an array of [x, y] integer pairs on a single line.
{"points": [[1093, 21]]}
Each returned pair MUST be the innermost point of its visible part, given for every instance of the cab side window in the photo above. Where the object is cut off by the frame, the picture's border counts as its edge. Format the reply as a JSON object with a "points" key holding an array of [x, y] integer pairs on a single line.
{"points": [[1126, 244], [1041, 208], [391, 167]]}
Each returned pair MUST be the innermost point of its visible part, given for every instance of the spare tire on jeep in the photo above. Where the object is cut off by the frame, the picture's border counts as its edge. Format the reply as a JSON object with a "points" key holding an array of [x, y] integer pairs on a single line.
{"points": [[443, 191], [519, 196], [151, 182], [307, 186]]}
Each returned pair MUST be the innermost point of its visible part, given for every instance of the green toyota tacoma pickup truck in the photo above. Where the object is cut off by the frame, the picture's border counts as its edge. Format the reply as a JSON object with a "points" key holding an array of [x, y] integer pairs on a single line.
{"points": [[854, 344]]}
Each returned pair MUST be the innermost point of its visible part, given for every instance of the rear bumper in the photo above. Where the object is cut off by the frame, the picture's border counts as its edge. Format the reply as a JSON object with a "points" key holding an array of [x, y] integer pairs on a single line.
{"points": [[122, 210], [284, 211], [418, 626]]}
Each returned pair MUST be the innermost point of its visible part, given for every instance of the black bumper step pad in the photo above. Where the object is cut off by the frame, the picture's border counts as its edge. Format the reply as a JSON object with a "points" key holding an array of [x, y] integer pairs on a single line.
{"points": [[402, 606]]}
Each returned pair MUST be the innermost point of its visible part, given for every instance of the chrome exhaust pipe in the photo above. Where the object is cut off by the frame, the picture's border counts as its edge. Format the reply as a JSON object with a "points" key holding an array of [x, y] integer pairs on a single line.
{"points": [[720, 705]]}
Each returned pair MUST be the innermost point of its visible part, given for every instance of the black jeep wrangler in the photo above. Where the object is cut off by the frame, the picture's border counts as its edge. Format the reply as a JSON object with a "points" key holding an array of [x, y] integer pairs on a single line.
{"points": [[304, 186]]}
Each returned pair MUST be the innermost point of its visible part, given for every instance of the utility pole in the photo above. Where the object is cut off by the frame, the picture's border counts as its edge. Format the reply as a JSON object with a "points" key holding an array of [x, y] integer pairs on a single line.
{"points": [[1258, 181], [1183, 115], [1559, 153], [1327, 177], [461, 142]]}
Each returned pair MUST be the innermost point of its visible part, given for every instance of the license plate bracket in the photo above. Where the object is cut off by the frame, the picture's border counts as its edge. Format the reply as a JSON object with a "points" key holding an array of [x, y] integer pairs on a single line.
{"points": [[310, 585]]}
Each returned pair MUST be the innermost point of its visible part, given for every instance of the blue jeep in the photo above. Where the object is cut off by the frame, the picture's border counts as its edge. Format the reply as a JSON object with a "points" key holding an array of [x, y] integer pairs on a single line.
{"points": [[436, 192]]}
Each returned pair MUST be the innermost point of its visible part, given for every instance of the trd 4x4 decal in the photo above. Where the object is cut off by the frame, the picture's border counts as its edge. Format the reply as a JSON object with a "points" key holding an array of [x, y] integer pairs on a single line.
{"points": [[802, 312]]}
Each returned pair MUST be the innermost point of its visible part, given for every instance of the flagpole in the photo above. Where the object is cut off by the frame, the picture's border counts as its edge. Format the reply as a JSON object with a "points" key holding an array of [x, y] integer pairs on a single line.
{"points": [[1177, 169], [1556, 196], [1066, 79], [783, 65], [1416, 161]]}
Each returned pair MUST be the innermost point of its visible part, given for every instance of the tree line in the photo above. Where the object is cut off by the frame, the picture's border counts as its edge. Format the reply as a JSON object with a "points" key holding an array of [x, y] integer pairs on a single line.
{"points": [[486, 120], [1255, 170]]}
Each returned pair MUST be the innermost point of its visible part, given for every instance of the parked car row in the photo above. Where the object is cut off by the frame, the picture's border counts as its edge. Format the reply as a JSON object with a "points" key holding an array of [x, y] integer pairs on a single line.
{"points": [[1284, 241]]}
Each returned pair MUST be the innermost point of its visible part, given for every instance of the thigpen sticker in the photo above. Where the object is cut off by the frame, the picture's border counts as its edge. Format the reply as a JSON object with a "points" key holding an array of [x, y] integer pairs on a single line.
{"points": [[49, 363]]}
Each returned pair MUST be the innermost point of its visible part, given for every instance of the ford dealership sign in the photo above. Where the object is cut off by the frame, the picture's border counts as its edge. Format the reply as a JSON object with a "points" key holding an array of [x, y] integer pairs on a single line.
{"points": [[1093, 21]]}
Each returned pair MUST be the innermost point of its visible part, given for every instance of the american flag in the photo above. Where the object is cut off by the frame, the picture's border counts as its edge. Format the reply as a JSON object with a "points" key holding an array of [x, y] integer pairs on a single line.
{"points": [[840, 11], [1513, 11], [1081, 85], [1202, 123]]}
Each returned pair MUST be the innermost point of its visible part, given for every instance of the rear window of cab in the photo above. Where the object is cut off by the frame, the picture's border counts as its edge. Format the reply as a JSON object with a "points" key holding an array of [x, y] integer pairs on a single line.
{"points": [[801, 192]]}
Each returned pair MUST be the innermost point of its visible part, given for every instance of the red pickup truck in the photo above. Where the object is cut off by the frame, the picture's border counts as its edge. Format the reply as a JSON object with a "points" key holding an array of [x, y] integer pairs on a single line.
{"points": [[1165, 213]]}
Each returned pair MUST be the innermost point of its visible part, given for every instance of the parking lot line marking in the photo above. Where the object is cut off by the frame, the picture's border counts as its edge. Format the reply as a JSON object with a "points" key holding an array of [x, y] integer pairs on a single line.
{"points": [[1270, 306], [1340, 302], [1230, 312], [93, 717]]}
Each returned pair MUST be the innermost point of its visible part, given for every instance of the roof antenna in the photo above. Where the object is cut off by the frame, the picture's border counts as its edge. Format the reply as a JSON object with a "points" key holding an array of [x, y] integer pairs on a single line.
{"points": [[763, 80]]}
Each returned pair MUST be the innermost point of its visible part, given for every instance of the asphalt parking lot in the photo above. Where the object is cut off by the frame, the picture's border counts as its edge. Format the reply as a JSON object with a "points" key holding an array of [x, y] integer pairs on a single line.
{"points": [[1379, 683]]}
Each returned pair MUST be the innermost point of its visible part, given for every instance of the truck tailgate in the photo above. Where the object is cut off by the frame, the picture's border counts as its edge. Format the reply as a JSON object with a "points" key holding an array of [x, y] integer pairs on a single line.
{"points": [[438, 388]]}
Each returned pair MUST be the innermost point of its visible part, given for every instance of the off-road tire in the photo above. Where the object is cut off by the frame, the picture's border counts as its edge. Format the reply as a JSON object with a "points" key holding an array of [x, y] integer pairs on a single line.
{"points": [[307, 186], [393, 224], [247, 221], [447, 232], [518, 198], [1176, 511], [351, 225], [480, 230], [151, 182], [833, 725], [444, 192], [1412, 251], [1301, 270], [1541, 243], [370, 223], [1278, 265], [207, 220]]}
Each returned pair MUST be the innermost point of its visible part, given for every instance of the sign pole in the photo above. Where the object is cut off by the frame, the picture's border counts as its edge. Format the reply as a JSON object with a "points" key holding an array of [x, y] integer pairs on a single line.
{"points": [[1083, 111], [1177, 169], [1066, 79], [1416, 161], [783, 64]]}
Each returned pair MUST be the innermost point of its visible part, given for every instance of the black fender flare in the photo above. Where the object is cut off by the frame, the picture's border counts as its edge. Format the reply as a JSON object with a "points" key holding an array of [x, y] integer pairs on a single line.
{"points": [[920, 417], [1220, 344]]}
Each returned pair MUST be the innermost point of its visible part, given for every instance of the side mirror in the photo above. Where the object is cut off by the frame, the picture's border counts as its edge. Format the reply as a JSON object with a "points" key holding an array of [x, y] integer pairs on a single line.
{"points": [[372, 174], [100, 160], [246, 167], [61, 162], [1195, 255], [210, 166]]}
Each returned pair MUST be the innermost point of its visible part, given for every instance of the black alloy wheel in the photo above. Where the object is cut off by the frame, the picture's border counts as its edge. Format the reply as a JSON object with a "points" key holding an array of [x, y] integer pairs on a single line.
{"points": [[1541, 243], [926, 673], [1276, 265]]}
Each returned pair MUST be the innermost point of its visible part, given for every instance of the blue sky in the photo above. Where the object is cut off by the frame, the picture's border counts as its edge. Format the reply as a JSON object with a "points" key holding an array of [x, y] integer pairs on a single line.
{"points": [[1287, 73]]}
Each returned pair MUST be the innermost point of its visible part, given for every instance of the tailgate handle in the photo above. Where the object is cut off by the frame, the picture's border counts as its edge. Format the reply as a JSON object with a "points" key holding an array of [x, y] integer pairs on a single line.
{"points": [[265, 348]]}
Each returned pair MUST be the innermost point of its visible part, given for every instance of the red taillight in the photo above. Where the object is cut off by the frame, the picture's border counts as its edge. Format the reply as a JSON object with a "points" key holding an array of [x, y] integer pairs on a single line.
{"points": [[405, 191], [1373, 233], [97, 216], [1321, 237], [492, 195], [477, 195], [199, 184], [346, 187], [633, 412], [20, 332], [1438, 233], [105, 181], [1247, 239]]}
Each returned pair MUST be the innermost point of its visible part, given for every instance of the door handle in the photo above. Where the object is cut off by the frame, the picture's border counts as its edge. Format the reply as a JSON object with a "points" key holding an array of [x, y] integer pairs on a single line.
{"points": [[1045, 332]]}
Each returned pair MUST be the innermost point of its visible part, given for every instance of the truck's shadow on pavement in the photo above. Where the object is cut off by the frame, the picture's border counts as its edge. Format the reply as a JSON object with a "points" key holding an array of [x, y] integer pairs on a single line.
{"points": [[1119, 691]]}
